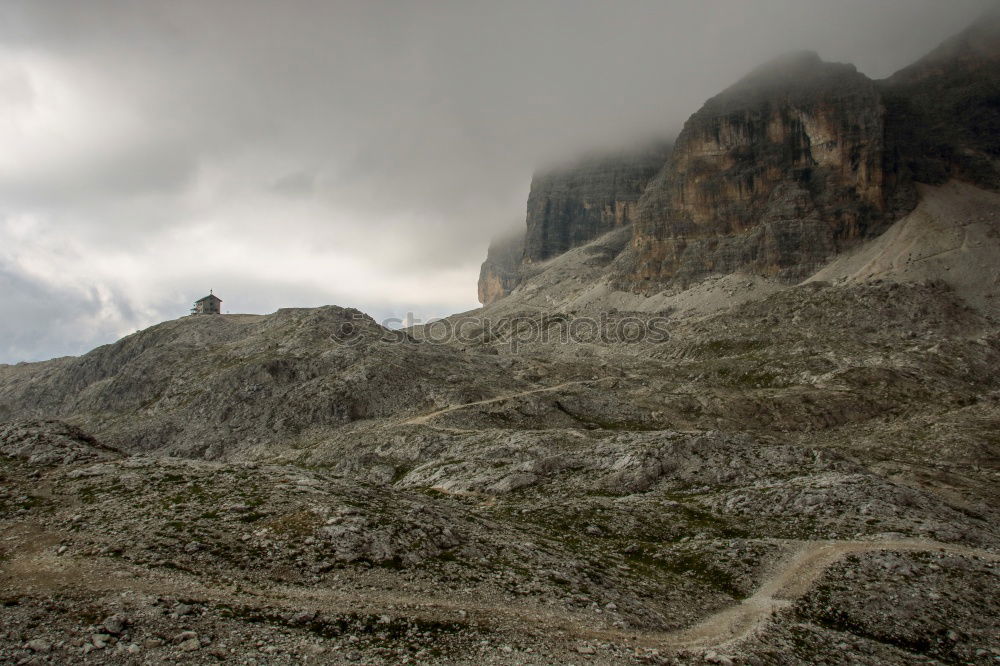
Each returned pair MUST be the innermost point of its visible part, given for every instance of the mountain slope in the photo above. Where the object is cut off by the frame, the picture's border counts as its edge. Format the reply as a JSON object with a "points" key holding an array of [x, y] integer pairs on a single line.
{"points": [[219, 386], [572, 205], [953, 236]]}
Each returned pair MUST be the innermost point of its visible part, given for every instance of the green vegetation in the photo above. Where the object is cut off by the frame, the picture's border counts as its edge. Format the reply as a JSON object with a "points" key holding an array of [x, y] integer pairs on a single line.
{"points": [[717, 348], [298, 524]]}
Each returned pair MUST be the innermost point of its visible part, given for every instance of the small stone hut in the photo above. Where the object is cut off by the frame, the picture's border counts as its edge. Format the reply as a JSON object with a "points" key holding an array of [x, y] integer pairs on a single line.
{"points": [[208, 305]]}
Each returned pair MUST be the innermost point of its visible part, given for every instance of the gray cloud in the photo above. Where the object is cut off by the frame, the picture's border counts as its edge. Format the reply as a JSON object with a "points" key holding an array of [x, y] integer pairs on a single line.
{"points": [[360, 152], [40, 321]]}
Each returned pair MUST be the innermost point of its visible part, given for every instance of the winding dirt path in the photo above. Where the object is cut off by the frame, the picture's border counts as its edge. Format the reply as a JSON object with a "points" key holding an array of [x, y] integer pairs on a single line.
{"points": [[37, 568], [424, 418], [791, 579]]}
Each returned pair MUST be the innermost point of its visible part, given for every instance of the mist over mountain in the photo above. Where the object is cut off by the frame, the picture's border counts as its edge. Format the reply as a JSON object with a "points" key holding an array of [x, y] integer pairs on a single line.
{"points": [[156, 153]]}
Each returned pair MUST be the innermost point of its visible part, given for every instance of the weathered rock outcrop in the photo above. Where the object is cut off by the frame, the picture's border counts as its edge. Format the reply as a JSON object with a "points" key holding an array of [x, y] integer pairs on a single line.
{"points": [[943, 111], [499, 273], [51, 443], [773, 176], [570, 206]]}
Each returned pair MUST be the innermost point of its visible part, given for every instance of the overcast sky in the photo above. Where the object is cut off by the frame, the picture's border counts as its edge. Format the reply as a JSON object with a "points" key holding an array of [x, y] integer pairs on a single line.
{"points": [[362, 153]]}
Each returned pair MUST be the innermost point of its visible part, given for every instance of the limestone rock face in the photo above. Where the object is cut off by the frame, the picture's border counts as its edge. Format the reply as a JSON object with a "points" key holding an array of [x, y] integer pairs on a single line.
{"points": [[499, 273], [569, 207], [793, 165], [773, 176], [943, 112]]}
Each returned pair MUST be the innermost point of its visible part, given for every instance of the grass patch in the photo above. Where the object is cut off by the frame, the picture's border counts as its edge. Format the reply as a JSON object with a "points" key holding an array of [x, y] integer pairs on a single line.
{"points": [[717, 348], [298, 524], [749, 378], [700, 568]]}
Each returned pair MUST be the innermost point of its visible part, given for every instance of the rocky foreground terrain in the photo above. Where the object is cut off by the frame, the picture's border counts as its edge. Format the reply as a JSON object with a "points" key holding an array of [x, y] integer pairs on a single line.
{"points": [[737, 466]]}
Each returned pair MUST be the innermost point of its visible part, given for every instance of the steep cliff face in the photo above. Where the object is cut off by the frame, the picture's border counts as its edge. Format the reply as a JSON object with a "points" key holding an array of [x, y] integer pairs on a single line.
{"points": [[794, 164], [499, 273], [943, 112], [569, 207], [773, 176]]}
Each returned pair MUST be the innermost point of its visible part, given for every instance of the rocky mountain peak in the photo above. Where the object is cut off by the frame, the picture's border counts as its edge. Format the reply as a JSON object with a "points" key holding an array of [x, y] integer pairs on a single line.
{"points": [[975, 46], [799, 75], [943, 120], [773, 176], [797, 161]]}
